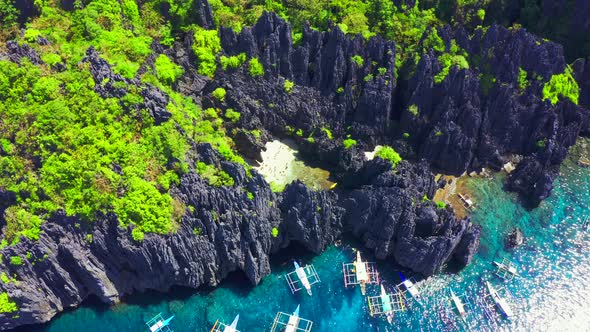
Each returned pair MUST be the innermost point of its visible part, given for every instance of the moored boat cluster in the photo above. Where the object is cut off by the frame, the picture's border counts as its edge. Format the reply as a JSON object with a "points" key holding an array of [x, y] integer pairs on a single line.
{"points": [[386, 303]]}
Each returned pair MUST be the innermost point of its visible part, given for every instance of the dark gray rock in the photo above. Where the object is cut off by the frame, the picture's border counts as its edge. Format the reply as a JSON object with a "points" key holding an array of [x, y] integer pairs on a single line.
{"points": [[156, 101], [581, 68], [514, 239], [462, 125], [15, 52]]}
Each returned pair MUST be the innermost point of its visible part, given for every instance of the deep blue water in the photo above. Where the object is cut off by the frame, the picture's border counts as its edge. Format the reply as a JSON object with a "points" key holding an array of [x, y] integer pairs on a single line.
{"points": [[553, 293]]}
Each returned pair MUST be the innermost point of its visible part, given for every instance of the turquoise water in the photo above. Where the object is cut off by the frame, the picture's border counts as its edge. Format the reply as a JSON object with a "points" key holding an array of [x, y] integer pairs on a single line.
{"points": [[553, 293]]}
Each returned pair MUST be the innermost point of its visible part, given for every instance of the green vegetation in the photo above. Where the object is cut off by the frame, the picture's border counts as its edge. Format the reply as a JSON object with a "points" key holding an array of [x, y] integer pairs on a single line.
{"points": [[198, 231], [250, 195], [358, 60], [137, 234], [328, 132], [6, 304], [20, 222], [288, 86], [299, 132], [256, 133], [256, 69], [206, 46], [232, 115], [522, 79], [213, 175], [388, 153], [433, 41], [368, 77], [276, 187], [144, 202], [211, 113], [219, 94], [441, 204], [275, 232], [348, 143], [166, 70], [413, 109], [233, 61], [406, 135], [447, 60], [562, 86], [481, 13], [16, 260], [542, 143], [339, 90]]}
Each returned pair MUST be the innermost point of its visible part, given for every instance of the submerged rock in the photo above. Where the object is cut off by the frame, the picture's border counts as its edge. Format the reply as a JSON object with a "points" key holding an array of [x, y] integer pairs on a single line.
{"points": [[514, 239]]}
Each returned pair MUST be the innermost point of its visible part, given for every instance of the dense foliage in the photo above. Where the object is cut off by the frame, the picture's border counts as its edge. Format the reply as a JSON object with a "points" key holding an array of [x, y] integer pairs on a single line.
{"points": [[166, 70], [388, 153], [7, 305], [563, 85], [64, 147]]}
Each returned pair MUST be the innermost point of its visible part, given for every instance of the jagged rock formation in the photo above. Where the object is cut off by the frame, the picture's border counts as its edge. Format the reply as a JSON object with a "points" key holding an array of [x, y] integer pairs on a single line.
{"points": [[16, 52], [565, 22], [463, 125], [581, 68], [225, 231], [460, 125], [319, 66]]}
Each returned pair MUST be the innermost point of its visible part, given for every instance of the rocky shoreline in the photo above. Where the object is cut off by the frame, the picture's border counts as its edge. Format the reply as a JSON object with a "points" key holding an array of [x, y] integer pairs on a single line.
{"points": [[459, 127], [225, 231]]}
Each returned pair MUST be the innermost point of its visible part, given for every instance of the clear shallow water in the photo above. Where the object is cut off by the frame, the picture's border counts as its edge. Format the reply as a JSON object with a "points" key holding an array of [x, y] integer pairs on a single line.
{"points": [[281, 165], [553, 293]]}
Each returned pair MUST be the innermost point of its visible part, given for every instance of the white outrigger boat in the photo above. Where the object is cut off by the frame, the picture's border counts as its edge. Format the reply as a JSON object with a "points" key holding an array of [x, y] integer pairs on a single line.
{"points": [[291, 322], [221, 327], [362, 276], [360, 273], [500, 302], [506, 270], [387, 305], [411, 287], [508, 267], [459, 305], [159, 324], [303, 278], [233, 326]]}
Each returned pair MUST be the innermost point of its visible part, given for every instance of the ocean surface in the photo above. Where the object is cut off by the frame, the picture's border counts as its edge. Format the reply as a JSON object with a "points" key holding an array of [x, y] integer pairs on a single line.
{"points": [[552, 292]]}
